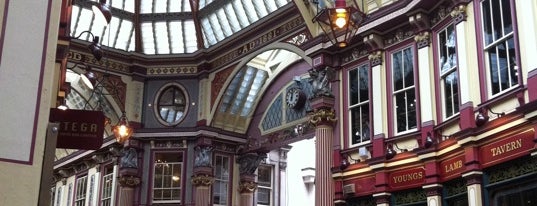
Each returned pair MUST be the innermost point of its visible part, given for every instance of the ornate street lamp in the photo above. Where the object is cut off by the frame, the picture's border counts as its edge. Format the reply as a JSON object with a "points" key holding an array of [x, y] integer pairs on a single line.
{"points": [[340, 23]]}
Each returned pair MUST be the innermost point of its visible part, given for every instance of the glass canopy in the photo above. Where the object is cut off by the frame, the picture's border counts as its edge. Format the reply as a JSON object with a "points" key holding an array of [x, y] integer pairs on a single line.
{"points": [[169, 26]]}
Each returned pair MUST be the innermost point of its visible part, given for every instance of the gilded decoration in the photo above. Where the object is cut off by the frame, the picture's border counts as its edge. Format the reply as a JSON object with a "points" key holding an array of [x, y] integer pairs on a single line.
{"points": [[323, 116], [375, 58], [88, 59], [355, 54], [459, 13], [423, 39], [159, 71], [247, 186], [129, 181], [300, 38], [409, 197], [202, 180], [398, 36], [168, 144], [516, 168]]}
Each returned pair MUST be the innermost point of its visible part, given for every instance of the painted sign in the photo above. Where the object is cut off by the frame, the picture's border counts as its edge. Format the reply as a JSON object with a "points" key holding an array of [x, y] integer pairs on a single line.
{"points": [[79, 129], [407, 178], [452, 167], [507, 149]]}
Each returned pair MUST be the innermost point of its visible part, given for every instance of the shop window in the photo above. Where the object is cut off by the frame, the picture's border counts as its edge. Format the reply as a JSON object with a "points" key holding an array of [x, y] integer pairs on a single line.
{"points": [[80, 196], [359, 105], [59, 196], [221, 180], [167, 174], [171, 104], [107, 186], [264, 187], [517, 195], [455, 192], [403, 90], [499, 45], [447, 64]]}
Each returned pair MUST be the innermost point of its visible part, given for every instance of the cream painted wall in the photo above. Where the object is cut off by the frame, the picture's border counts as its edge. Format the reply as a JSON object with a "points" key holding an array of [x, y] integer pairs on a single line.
{"points": [[301, 155], [25, 52]]}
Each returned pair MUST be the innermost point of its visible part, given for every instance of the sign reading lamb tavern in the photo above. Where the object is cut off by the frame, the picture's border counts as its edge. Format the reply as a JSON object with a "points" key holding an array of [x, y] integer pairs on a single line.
{"points": [[407, 178], [79, 129], [507, 148]]}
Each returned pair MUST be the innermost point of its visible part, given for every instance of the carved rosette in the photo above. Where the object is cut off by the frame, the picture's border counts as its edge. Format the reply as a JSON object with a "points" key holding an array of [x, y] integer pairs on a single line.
{"points": [[323, 116], [129, 181], [247, 186], [459, 13], [375, 58], [423, 39], [202, 180]]}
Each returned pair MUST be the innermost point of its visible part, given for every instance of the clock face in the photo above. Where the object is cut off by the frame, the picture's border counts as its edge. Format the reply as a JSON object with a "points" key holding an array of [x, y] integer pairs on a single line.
{"points": [[295, 98]]}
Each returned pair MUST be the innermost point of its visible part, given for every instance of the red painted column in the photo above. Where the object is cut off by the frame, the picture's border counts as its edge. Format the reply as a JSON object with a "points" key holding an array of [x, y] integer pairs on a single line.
{"points": [[202, 181], [323, 117]]}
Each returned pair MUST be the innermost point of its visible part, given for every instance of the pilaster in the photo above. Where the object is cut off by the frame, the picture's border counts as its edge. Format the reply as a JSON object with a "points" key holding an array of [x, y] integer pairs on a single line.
{"points": [[324, 118]]}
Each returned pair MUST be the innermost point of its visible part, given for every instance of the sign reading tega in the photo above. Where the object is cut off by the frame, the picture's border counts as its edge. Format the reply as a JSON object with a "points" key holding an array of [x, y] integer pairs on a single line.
{"points": [[408, 177], [79, 129], [507, 148]]}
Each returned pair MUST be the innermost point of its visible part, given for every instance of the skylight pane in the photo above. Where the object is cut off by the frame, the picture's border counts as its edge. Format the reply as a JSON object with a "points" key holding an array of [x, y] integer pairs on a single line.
{"points": [[98, 29], [260, 7], [146, 6], [232, 18], [175, 5], [186, 6], [84, 23], [160, 6], [208, 31], [110, 34], [271, 4], [148, 38], [124, 35], [191, 38], [282, 2], [215, 24], [250, 11], [74, 19], [129, 5], [161, 35], [176, 35], [226, 27], [241, 14]]}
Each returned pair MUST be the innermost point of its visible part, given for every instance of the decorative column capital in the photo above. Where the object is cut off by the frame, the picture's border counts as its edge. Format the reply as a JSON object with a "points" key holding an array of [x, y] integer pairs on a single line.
{"points": [[375, 58], [247, 186], [202, 180], [459, 13], [423, 39], [323, 116], [129, 181]]}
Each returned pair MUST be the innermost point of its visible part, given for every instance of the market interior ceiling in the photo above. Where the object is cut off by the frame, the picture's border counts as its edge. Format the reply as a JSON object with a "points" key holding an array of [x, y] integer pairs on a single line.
{"points": [[170, 26]]}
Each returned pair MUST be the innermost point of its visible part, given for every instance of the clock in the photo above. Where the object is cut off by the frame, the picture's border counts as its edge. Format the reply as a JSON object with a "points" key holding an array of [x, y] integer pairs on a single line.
{"points": [[295, 98]]}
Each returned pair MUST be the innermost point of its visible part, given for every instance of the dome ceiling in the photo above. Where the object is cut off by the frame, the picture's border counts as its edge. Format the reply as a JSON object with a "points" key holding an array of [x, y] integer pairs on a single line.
{"points": [[169, 26]]}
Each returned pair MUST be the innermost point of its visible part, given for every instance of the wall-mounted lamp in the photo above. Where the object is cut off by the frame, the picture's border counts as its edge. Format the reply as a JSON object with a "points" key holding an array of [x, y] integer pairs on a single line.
{"points": [[94, 47], [102, 11], [390, 152], [340, 23], [428, 140], [122, 131], [63, 105]]}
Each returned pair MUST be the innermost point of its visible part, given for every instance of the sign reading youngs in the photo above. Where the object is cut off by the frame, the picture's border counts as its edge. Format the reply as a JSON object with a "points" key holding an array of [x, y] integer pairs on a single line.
{"points": [[79, 129]]}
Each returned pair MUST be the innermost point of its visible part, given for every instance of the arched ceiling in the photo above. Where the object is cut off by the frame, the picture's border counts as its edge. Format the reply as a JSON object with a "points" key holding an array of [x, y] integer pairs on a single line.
{"points": [[169, 26]]}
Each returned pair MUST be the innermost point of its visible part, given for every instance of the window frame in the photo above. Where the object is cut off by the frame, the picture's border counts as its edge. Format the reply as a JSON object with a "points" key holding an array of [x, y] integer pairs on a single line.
{"points": [[392, 92], [156, 103], [441, 74], [217, 179], [270, 187], [81, 195], [515, 80], [152, 189], [358, 104], [109, 174]]}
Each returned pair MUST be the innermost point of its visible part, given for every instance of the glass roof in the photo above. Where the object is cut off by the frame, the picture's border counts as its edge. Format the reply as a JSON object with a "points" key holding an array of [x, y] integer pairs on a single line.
{"points": [[169, 26]]}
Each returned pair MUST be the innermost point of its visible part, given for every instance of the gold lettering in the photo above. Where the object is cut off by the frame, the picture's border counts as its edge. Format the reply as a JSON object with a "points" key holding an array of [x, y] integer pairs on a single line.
{"points": [[408, 177], [453, 166], [510, 146]]}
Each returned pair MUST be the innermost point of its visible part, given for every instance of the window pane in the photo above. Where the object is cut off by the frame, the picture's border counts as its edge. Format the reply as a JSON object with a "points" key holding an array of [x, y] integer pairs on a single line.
{"points": [[408, 67], [353, 86], [397, 71]]}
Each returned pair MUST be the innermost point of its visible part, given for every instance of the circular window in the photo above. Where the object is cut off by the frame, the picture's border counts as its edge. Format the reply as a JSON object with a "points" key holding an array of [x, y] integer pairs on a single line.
{"points": [[171, 104]]}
